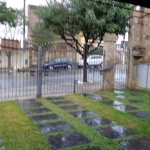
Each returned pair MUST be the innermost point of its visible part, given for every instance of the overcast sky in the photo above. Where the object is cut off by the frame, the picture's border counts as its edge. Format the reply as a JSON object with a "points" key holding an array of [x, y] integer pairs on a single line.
{"points": [[20, 3]]}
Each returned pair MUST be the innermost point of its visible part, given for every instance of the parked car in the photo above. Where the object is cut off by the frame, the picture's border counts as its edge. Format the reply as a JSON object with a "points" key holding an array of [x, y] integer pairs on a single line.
{"points": [[58, 63], [92, 60]]}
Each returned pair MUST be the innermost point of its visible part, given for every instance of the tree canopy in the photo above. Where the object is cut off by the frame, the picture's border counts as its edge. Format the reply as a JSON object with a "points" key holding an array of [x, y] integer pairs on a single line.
{"points": [[7, 14], [91, 18]]}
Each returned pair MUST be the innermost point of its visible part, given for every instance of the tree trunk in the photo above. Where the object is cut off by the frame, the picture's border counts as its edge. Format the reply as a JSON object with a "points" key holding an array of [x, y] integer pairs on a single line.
{"points": [[8, 54], [85, 63]]}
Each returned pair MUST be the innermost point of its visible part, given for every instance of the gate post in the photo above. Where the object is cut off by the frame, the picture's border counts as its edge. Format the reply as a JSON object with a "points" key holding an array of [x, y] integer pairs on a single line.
{"points": [[109, 60], [39, 73]]}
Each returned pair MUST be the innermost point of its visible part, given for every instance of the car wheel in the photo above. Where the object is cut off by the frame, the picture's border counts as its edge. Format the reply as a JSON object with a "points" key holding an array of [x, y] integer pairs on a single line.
{"points": [[51, 67], [69, 67]]}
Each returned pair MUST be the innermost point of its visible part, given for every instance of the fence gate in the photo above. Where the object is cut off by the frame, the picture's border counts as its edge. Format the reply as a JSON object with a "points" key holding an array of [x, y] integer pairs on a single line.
{"points": [[121, 74], [18, 74]]}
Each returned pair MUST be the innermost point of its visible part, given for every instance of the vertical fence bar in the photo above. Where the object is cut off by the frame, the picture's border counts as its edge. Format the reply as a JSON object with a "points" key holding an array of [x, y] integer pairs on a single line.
{"points": [[39, 73]]}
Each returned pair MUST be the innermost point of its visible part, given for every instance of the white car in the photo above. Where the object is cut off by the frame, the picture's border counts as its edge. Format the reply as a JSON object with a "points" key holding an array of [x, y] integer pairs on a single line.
{"points": [[92, 60]]}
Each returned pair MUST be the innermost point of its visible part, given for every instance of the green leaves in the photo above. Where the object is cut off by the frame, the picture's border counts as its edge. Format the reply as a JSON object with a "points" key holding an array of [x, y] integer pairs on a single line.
{"points": [[7, 14], [92, 18]]}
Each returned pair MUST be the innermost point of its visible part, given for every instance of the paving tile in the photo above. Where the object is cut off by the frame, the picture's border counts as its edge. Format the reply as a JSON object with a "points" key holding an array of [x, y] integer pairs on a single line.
{"points": [[37, 111], [66, 102], [118, 92], [100, 121], [136, 144], [56, 98], [72, 107], [141, 114], [85, 113], [112, 102], [0, 139], [55, 127], [136, 101], [67, 140], [94, 97], [117, 131], [121, 97], [93, 148], [30, 105], [27, 101], [2, 148], [124, 108], [43, 118]]}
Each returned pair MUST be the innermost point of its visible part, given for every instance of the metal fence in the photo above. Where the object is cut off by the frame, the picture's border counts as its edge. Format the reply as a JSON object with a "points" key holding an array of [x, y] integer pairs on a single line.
{"points": [[121, 73], [19, 78]]}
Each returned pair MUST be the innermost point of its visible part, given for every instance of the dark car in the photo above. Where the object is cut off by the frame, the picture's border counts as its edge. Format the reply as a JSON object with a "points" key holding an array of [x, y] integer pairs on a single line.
{"points": [[58, 63]]}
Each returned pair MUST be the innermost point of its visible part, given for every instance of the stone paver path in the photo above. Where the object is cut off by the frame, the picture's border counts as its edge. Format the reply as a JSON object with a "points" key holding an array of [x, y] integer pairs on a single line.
{"points": [[48, 122]]}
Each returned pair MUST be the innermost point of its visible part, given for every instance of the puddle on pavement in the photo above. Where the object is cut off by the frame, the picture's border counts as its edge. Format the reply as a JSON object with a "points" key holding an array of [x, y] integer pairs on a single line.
{"points": [[120, 96], [136, 144], [142, 114], [37, 111], [97, 121], [62, 102], [93, 148], [67, 140], [72, 107], [114, 132], [112, 103], [30, 105], [56, 98], [136, 101], [84, 113], [55, 127], [118, 92], [94, 97], [43, 118], [124, 108]]}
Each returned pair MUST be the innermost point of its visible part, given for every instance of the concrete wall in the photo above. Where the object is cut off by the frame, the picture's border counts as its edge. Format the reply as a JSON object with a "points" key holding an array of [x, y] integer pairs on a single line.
{"points": [[19, 59], [139, 36]]}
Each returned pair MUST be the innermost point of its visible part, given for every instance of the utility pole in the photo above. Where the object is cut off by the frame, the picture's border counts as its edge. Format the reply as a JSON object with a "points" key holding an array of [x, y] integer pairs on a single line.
{"points": [[24, 5]]}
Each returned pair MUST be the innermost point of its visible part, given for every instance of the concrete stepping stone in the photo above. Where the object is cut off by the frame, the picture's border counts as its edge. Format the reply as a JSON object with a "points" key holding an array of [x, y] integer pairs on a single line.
{"points": [[118, 92], [93, 148], [56, 98], [67, 140], [72, 107], [63, 102], [27, 101], [55, 127], [115, 132], [37, 111], [112, 102], [2, 148], [94, 97], [136, 144], [124, 108], [0, 139], [85, 113], [121, 97], [141, 114], [100, 121], [44, 118], [30, 105], [135, 94], [136, 101]]}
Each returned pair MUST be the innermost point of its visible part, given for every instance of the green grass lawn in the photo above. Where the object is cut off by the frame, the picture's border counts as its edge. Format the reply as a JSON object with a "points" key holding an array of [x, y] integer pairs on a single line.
{"points": [[19, 133]]}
